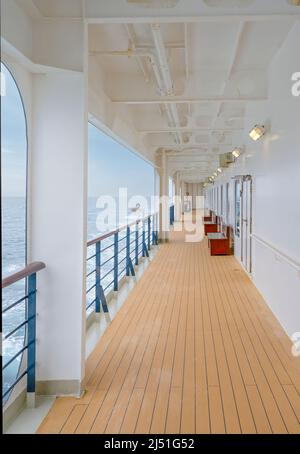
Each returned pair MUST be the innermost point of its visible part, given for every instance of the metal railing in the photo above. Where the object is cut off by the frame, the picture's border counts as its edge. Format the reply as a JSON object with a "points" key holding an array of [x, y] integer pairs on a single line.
{"points": [[172, 214], [115, 255], [28, 324]]}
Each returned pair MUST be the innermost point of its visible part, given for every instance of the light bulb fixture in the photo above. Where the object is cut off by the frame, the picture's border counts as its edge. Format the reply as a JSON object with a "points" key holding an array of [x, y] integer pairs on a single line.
{"points": [[257, 132], [236, 152], [219, 170], [215, 174]]}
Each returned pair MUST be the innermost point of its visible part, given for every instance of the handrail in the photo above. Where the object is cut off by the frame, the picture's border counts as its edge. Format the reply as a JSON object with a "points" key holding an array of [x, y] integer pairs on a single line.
{"points": [[29, 324], [137, 244], [118, 230], [25, 272], [286, 258]]}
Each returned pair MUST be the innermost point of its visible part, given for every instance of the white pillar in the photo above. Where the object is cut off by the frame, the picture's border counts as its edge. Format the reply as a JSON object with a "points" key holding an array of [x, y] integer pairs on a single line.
{"points": [[178, 204], [182, 195], [164, 197], [58, 228]]}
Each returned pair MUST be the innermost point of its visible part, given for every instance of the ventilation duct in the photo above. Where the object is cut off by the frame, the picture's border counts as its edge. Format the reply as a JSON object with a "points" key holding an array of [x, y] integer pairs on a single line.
{"points": [[154, 3]]}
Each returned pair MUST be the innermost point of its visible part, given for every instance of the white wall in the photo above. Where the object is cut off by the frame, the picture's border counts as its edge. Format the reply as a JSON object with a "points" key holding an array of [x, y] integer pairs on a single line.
{"points": [[58, 223], [274, 163], [55, 102]]}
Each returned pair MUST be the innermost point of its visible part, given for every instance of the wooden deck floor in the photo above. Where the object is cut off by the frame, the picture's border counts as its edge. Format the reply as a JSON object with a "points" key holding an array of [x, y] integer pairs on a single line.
{"points": [[194, 349]]}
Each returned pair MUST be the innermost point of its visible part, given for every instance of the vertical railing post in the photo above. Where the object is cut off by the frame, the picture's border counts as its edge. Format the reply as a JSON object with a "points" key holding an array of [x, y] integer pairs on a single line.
{"points": [[116, 261], [145, 252], [143, 239], [127, 251], [137, 243], [149, 233], [153, 230], [129, 265], [31, 340], [98, 277]]}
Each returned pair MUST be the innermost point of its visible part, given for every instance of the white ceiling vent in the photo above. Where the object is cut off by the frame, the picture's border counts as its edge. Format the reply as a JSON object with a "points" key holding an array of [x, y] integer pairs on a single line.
{"points": [[154, 3], [228, 3]]}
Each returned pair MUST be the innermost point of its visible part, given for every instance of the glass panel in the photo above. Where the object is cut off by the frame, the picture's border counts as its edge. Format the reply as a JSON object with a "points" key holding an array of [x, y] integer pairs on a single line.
{"points": [[13, 203]]}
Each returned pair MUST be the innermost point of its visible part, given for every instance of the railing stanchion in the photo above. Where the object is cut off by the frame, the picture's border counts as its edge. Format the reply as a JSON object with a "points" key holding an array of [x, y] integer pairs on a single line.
{"points": [[98, 277], [31, 340], [153, 230], [144, 245], [129, 266], [143, 240], [116, 260], [149, 233], [137, 243]]}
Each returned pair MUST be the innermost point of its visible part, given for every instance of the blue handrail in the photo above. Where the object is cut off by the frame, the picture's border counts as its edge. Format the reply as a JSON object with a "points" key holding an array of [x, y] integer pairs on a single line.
{"points": [[29, 323], [123, 253]]}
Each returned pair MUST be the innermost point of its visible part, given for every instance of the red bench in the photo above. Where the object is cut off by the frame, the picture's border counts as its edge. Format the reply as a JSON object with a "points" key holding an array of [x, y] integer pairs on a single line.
{"points": [[219, 242], [212, 226], [207, 217]]}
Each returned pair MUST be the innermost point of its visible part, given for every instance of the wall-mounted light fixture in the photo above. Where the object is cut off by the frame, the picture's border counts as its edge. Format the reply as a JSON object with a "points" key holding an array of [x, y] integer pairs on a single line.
{"points": [[236, 152], [257, 132]]}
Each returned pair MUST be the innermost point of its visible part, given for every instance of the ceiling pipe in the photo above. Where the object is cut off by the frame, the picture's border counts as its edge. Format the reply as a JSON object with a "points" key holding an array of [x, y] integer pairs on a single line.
{"points": [[132, 38], [166, 76], [162, 82], [162, 59]]}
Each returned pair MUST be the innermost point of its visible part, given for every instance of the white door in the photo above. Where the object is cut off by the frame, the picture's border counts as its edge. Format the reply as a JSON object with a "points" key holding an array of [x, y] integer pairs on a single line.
{"points": [[246, 224]]}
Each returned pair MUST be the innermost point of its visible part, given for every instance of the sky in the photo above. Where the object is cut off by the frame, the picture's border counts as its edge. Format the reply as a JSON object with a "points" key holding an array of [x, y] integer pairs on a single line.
{"points": [[111, 165], [13, 140]]}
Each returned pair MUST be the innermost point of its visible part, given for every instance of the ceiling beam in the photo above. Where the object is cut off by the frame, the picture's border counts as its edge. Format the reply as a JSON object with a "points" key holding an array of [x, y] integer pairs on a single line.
{"points": [[193, 146], [186, 52], [178, 100], [234, 55], [186, 129], [194, 19]]}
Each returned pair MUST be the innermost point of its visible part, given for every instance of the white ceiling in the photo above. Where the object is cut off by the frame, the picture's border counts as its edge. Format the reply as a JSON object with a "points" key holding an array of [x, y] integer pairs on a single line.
{"points": [[217, 58], [223, 60], [103, 9]]}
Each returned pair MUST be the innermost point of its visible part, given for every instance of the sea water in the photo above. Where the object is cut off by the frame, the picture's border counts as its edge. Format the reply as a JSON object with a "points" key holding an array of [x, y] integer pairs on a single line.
{"points": [[14, 258]]}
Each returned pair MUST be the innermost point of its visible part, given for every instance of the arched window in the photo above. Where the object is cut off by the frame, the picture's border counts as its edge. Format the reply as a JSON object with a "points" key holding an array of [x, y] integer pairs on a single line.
{"points": [[13, 211]]}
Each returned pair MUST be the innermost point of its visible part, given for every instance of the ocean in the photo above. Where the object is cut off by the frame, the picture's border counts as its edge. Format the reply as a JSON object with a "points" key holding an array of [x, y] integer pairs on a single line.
{"points": [[14, 258]]}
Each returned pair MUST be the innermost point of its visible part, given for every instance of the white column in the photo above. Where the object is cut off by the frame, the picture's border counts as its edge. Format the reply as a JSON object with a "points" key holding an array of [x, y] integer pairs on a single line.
{"points": [[58, 228], [164, 197], [182, 195], [178, 204]]}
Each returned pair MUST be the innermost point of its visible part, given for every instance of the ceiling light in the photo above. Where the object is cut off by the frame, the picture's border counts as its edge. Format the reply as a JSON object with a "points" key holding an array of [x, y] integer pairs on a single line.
{"points": [[215, 174], [236, 152], [257, 132], [219, 170]]}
